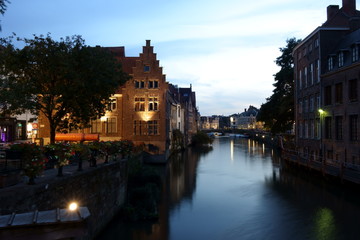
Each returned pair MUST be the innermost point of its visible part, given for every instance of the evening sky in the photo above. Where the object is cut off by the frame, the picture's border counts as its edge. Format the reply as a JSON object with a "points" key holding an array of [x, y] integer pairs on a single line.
{"points": [[225, 49]]}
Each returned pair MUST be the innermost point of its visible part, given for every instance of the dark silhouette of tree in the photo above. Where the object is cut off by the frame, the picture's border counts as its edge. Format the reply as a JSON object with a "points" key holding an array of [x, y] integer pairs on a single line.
{"points": [[65, 81], [278, 111], [3, 7]]}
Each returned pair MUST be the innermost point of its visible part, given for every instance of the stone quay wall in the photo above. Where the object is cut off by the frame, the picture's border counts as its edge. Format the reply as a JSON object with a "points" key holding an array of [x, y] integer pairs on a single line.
{"points": [[101, 189]]}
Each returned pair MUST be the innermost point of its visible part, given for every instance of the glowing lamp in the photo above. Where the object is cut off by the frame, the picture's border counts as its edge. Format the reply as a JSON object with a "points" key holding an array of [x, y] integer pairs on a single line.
{"points": [[73, 206]]}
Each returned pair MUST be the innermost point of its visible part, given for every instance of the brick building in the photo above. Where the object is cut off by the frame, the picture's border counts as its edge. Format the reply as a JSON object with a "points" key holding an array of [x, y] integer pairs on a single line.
{"points": [[147, 108], [326, 74]]}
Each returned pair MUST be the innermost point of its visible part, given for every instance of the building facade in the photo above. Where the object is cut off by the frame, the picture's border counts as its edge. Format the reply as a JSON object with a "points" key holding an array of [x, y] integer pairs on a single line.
{"points": [[326, 76], [146, 109]]}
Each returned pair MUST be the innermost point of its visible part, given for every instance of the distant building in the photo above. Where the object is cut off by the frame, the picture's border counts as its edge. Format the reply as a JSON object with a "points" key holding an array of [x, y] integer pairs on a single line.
{"points": [[327, 75], [246, 119], [214, 122]]}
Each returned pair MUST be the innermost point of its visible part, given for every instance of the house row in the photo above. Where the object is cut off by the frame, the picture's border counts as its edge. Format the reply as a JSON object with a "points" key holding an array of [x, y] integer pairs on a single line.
{"points": [[327, 78], [146, 109]]}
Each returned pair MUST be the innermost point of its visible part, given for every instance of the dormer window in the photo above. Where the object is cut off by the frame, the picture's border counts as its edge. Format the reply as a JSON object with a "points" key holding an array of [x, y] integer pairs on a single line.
{"points": [[355, 53], [341, 59]]}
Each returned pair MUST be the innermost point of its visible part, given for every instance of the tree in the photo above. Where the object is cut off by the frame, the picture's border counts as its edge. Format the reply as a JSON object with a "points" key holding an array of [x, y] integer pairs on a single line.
{"points": [[278, 111], [3, 7], [65, 81]]}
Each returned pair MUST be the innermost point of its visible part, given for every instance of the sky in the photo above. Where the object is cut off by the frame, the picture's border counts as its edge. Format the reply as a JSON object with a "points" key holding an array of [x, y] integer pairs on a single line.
{"points": [[225, 49]]}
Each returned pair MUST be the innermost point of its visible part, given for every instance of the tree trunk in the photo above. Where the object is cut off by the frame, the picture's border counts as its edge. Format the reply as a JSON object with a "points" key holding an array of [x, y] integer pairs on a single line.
{"points": [[52, 133]]}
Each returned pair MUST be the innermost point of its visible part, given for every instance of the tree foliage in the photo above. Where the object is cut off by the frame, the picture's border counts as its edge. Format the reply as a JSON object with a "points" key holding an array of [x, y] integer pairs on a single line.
{"points": [[3, 7], [66, 81], [278, 111]]}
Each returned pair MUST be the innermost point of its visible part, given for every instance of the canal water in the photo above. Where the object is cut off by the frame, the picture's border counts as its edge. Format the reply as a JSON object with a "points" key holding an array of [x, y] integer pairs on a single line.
{"points": [[240, 190]]}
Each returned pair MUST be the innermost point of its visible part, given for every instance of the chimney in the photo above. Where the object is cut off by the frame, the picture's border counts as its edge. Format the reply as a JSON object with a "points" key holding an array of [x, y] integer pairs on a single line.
{"points": [[332, 10], [148, 43], [349, 7]]}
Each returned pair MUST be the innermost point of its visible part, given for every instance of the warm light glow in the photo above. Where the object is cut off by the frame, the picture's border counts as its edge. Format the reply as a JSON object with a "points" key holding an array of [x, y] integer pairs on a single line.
{"points": [[321, 111], [103, 118], [73, 206]]}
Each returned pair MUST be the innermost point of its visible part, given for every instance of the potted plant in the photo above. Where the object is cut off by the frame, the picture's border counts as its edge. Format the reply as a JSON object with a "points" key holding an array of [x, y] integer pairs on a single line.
{"points": [[32, 158], [80, 151], [61, 153]]}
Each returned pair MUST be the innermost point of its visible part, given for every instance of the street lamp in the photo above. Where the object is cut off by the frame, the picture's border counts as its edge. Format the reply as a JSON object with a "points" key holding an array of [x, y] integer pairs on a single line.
{"points": [[321, 112]]}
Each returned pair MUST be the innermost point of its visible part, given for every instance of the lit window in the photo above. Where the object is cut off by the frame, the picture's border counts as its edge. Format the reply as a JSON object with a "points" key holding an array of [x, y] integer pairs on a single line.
{"points": [[96, 126], [111, 125], [153, 104], [139, 104]]}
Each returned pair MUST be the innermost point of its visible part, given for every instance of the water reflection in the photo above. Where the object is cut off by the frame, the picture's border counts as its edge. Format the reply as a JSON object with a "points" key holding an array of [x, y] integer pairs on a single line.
{"points": [[240, 189]]}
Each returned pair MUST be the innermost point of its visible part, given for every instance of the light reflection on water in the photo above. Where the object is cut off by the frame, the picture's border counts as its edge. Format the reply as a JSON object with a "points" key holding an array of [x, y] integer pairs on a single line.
{"points": [[238, 190]]}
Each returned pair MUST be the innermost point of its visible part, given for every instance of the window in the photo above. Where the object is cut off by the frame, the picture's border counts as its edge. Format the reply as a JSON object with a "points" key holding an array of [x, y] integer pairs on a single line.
{"points": [[311, 104], [353, 127], [341, 59], [353, 91], [112, 105], [300, 79], [317, 69], [355, 53], [306, 130], [96, 126], [300, 129], [316, 43], [338, 93], [146, 68], [330, 63], [300, 106], [305, 77], [139, 104], [327, 96], [338, 127], [111, 125], [153, 104], [311, 74], [306, 105], [312, 128], [139, 84], [153, 127], [153, 84], [138, 128], [310, 47], [318, 101], [318, 129], [328, 127]]}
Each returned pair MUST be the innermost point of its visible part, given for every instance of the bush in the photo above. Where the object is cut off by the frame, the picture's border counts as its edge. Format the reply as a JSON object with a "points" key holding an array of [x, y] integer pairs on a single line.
{"points": [[201, 139]]}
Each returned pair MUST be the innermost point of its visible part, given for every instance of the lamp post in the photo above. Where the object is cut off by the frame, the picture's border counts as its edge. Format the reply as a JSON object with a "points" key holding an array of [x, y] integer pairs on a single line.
{"points": [[321, 112]]}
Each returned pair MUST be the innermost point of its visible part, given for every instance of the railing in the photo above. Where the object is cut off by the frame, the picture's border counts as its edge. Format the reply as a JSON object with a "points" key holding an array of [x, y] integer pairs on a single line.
{"points": [[342, 170]]}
